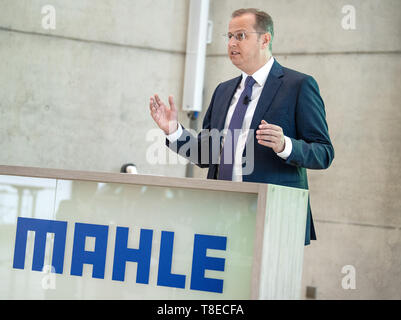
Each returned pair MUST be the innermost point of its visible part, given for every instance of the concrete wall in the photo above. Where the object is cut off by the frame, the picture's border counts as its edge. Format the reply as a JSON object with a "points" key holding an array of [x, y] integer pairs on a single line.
{"points": [[77, 98], [356, 202]]}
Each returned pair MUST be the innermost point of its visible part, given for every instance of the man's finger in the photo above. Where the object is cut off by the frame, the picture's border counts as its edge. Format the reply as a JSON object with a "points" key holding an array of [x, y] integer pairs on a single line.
{"points": [[270, 126], [158, 101], [265, 125], [274, 127], [171, 102], [268, 132], [268, 138], [153, 109], [152, 103], [265, 143]]}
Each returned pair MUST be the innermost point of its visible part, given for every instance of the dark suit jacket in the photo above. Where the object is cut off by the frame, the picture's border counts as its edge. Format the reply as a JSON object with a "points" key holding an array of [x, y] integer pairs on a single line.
{"points": [[289, 99]]}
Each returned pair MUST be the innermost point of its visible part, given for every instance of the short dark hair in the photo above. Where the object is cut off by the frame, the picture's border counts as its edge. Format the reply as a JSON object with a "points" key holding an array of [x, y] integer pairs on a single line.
{"points": [[264, 22]]}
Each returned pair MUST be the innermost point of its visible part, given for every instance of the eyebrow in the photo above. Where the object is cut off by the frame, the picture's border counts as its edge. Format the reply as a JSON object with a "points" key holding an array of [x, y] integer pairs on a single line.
{"points": [[240, 30]]}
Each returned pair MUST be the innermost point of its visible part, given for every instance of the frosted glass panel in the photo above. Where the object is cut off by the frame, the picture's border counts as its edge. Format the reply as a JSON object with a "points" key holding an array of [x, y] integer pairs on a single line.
{"points": [[107, 210], [22, 197]]}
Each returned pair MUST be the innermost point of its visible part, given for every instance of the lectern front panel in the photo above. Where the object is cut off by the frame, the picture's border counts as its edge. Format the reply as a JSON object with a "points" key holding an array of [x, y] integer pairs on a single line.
{"points": [[75, 239]]}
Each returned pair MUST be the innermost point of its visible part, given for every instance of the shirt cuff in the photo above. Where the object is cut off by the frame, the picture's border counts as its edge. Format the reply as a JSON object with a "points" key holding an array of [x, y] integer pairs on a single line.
{"points": [[173, 137], [287, 149]]}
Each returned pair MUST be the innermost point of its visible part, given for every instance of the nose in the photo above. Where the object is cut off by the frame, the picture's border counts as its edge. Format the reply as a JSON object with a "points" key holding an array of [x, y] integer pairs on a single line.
{"points": [[232, 43]]}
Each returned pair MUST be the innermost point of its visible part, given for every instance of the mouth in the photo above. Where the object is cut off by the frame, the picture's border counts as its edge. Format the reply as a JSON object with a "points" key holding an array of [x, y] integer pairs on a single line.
{"points": [[234, 53]]}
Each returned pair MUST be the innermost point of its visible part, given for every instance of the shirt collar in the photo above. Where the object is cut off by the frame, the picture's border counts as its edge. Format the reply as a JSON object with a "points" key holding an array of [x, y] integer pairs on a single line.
{"points": [[261, 75]]}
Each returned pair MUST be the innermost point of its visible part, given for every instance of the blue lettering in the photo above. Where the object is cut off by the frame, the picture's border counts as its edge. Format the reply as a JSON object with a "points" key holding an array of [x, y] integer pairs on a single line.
{"points": [[41, 228], [201, 262], [164, 275], [97, 258], [122, 254]]}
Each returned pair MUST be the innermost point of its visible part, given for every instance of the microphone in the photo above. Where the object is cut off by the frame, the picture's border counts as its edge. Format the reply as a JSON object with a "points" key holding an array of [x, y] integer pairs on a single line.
{"points": [[246, 100]]}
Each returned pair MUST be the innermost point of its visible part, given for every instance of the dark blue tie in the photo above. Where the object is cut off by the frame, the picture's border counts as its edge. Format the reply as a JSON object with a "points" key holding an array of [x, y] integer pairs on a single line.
{"points": [[231, 139]]}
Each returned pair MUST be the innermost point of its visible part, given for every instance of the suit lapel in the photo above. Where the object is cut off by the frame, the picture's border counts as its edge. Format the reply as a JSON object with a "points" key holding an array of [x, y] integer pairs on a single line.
{"points": [[270, 89], [224, 101]]}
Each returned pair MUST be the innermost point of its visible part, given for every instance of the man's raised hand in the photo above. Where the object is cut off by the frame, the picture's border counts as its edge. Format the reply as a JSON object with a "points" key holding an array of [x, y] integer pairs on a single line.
{"points": [[165, 117]]}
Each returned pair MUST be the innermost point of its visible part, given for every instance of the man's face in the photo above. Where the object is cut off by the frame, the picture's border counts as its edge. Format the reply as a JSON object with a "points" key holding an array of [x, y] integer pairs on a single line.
{"points": [[249, 54]]}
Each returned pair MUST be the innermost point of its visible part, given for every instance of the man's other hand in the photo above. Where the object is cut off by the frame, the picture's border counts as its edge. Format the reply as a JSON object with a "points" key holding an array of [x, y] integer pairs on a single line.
{"points": [[271, 136]]}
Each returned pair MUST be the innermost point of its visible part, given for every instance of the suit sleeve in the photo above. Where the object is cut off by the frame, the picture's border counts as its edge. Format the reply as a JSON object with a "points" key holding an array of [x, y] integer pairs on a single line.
{"points": [[197, 148], [312, 148]]}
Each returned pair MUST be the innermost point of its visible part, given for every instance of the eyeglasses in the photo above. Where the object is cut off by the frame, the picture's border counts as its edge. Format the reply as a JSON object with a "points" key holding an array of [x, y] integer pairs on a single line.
{"points": [[239, 35]]}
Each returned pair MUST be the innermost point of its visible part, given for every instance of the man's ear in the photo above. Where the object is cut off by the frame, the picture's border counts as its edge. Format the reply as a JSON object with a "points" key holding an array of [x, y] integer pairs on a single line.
{"points": [[267, 38]]}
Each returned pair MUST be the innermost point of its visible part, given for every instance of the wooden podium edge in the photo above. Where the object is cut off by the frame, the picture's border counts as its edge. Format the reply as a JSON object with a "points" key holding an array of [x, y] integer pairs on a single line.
{"points": [[109, 177]]}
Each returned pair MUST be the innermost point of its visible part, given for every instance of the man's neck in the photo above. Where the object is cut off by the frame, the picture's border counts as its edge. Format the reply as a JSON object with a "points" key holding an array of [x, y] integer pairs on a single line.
{"points": [[259, 65]]}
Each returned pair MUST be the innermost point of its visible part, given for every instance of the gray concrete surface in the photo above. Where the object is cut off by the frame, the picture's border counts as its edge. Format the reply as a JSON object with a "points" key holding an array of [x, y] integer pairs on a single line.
{"points": [[77, 97]]}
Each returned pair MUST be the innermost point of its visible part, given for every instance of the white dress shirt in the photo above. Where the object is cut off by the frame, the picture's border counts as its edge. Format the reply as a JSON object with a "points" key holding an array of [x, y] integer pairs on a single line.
{"points": [[260, 77]]}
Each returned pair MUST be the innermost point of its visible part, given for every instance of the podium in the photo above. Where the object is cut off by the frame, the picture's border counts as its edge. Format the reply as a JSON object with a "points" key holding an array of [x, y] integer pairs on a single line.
{"points": [[94, 235]]}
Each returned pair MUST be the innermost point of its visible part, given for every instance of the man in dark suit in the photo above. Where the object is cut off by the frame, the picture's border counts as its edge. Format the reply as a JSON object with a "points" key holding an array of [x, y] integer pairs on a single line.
{"points": [[271, 116]]}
